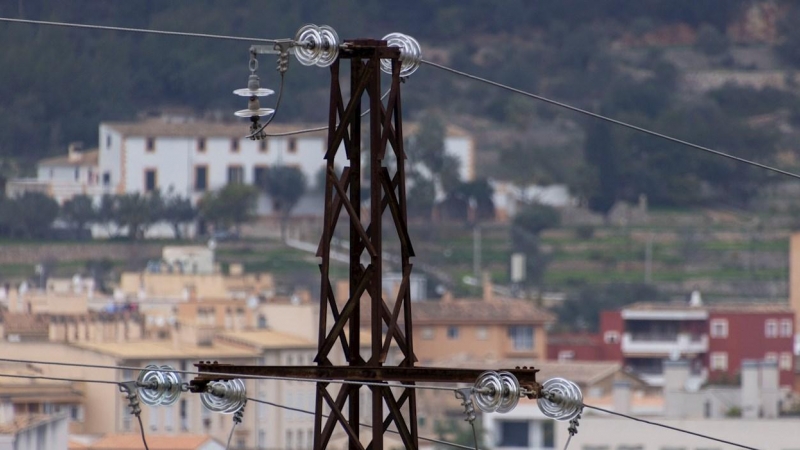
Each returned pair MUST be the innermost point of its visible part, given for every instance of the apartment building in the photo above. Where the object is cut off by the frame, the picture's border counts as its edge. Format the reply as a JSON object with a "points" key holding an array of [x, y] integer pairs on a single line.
{"points": [[488, 327], [715, 338]]}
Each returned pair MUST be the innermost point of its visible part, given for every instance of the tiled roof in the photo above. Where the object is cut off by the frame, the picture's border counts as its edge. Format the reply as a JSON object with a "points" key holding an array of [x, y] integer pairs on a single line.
{"points": [[166, 350], [211, 129], [728, 307], [265, 339], [498, 310], [85, 158], [200, 128], [154, 442], [584, 373]]}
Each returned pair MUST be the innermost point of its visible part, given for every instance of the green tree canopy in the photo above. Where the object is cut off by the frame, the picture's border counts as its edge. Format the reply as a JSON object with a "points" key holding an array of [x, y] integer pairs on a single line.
{"points": [[285, 185], [233, 205], [78, 212]]}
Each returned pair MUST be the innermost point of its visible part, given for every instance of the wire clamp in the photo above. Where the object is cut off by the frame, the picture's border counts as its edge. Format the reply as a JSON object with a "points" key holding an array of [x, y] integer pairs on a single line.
{"points": [[465, 395], [129, 389]]}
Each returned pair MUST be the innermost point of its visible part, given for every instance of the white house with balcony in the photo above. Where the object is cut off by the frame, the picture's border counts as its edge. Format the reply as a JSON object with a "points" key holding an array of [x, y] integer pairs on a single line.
{"points": [[62, 177]]}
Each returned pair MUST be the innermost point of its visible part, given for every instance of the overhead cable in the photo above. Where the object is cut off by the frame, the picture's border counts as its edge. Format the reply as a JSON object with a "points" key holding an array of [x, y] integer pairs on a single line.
{"points": [[610, 120], [138, 30]]}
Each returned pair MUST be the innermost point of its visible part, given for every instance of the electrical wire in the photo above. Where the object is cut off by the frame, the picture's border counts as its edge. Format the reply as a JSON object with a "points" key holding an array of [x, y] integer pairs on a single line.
{"points": [[230, 436], [236, 375], [305, 411], [141, 429], [609, 119], [138, 30], [311, 130], [668, 427], [42, 377]]}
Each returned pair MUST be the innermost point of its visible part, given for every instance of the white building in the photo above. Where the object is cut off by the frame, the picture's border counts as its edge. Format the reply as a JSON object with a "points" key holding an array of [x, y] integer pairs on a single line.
{"points": [[189, 158], [62, 177], [32, 432]]}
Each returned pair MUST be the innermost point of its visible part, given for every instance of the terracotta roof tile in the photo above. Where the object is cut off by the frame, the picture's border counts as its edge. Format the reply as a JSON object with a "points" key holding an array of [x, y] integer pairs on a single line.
{"points": [[85, 158], [154, 442], [499, 310]]}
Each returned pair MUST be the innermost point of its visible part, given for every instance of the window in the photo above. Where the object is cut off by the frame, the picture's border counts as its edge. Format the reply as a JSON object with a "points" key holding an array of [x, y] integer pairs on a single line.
{"points": [[719, 361], [184, 412], [521, 337], [200, 178], [427, 333], [611, 337], [771, 328], [482, 334], [452, 332], [150, 180], [77, 173], [566, 355], [108, 141], [719, 328], [106, 178], [292, 145], [289, 439], [786, 328], [514, 433], [201, 145], [235, 175], [548, 434], [263, 146], [151, 145], [235, 145], [259, 175], [785, 363]]}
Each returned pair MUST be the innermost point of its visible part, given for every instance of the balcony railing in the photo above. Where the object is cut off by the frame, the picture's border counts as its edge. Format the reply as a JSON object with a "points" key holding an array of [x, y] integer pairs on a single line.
{"points": [[663, 343]]}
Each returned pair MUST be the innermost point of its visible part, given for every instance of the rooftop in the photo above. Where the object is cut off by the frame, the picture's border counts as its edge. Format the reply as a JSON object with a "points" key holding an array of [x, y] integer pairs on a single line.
{"points": [[154, 442], [266, 339], [86, 158], [497, 310], [24, 422], [731, 307], [150, 350], [584, 373], [158, 127]]}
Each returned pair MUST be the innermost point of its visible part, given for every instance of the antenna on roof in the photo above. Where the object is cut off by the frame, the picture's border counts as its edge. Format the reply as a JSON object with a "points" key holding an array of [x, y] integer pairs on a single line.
{"points": [[695, 300]]}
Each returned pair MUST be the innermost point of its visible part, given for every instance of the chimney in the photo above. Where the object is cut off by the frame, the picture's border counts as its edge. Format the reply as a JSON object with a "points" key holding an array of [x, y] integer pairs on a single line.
{"points": [[447, 297], [74, 151], [770, 392], [751, 404], [676, 373], [621, 394], [488, 295]]}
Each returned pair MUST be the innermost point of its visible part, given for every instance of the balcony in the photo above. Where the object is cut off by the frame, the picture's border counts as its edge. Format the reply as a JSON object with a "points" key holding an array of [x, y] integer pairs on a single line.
{"points": [[663, 344]]}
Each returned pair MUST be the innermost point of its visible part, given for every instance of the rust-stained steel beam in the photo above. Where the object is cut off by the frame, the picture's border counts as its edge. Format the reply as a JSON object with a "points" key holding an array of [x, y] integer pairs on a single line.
{"points": [[356, 373]]}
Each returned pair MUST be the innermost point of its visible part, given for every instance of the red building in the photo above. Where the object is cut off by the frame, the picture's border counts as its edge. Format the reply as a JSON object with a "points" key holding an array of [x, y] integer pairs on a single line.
{"points": [[713, 338]]}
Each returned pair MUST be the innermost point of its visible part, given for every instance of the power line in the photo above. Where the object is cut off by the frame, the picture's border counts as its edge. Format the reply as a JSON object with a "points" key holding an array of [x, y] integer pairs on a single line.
{"points": [[43, 377], [668, 427], [311, 130], [305, 411], [138, 30], [141, 429], [235, 375], [610, 120]]}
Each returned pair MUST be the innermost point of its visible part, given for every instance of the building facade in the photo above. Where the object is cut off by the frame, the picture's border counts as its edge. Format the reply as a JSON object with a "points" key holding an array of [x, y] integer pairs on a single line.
{"points": [[715, 339]]}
